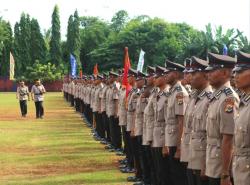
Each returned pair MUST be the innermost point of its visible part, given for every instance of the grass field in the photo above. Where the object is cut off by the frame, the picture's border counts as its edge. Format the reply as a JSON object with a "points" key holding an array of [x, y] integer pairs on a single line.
{"points": [[58, 150]]}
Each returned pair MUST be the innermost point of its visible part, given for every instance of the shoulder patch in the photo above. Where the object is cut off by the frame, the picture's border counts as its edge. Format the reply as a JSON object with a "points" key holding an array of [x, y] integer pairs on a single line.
{"points": [[180, 98], [229, 105]]}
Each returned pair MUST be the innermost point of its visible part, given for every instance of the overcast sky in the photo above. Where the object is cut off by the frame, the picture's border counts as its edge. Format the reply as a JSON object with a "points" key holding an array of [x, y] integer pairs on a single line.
{"points": [[228, 13]]}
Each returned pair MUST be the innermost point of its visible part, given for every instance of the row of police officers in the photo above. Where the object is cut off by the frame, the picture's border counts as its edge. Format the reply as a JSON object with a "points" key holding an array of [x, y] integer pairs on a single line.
{"points": [[176, 125]]}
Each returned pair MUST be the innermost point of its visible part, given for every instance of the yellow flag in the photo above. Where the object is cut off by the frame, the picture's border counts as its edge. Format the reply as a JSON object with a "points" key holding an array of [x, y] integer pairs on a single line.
{"points": [[12, 67]]}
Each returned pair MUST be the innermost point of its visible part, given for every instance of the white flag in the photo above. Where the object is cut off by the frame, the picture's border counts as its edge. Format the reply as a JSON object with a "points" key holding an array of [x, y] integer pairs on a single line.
{"points": [[12, 67], [141, 61]]}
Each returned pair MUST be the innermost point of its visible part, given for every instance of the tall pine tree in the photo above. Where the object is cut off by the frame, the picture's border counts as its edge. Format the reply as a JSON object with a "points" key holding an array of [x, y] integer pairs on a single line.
{"points": [[55, 42]]}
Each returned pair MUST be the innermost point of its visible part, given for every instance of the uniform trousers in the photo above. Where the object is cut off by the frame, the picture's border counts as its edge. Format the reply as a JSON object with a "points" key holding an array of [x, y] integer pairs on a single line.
{"points": [[136, 156], [23, 107], [115, 132], [190, 175], [161, 165], [144, 162], [129, 149], [100, 125], [39, 109], [72, 100], [106, 126], [198, 179], [177, 170]]}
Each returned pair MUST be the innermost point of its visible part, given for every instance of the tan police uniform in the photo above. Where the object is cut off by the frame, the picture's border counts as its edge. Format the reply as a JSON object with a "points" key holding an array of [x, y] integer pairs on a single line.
{"points": [[241, 161], [122, 112], [220, 120], [149, 116], [187, 127], [132, 100], [159, 122], [198, 142], [176, 106], [140, 107]]}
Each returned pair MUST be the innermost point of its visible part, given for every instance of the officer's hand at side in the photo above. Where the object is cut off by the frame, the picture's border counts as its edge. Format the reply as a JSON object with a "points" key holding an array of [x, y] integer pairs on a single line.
{"points": [[177, 154], [226, 181], [165, 151]]}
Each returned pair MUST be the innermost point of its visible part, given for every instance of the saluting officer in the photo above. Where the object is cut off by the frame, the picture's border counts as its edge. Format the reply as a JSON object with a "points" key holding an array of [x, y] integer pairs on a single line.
{"points": [[241, 161], [223, 107]]}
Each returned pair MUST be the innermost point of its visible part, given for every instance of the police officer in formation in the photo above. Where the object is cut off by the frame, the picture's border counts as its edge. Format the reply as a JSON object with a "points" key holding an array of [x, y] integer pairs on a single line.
{"points": [[175, 124]]}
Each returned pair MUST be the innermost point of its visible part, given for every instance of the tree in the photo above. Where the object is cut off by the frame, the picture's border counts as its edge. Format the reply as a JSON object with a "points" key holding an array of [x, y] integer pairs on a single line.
{"points": [[5, 46], [119, 20], [37, 44], [55, 42], [73, 38]]}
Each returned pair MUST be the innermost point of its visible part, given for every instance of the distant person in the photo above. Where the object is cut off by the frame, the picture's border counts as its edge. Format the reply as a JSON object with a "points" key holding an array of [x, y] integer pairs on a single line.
{"points": [[37, 93], [23, 95]]}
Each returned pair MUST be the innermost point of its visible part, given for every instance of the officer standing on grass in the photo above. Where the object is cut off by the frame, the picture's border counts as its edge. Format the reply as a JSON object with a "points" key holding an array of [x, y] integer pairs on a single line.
{"points": [[23, 95], [37, 94]]}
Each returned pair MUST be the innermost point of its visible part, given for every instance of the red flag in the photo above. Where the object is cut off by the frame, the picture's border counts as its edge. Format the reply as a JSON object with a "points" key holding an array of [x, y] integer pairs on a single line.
{"points": [[125, 74], [95, 72], [80, 73]]}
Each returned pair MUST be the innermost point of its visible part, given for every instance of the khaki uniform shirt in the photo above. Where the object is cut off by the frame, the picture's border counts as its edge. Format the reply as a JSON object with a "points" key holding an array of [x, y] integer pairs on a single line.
{"points": [[103, 98], [113, 96], [108, 93], [241, 161], [122, 113], [132, 99], [97, 102], [222, 109], [187, 127], [22, 93], [159, 121], [198, 142], [140, 107], [149, 114], [37, 91], [92, 96], [177, 102]]}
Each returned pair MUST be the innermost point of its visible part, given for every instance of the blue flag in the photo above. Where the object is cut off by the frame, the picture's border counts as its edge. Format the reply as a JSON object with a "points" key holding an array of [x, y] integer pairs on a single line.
{"points": [[225, 50], [73, 65]]}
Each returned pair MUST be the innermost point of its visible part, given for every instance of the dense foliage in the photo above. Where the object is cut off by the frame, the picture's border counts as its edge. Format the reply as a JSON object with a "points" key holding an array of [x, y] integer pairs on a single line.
{"points": [[93, 40]]}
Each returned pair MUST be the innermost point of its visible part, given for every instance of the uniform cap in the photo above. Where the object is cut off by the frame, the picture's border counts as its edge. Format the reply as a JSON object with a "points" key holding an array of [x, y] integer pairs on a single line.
{"points": [[216, 61], [198, 64], [243, 62], [172, 66]]}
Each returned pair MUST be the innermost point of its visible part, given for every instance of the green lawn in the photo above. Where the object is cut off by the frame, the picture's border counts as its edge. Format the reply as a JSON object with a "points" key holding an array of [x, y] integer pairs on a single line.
{"points": [[57, 150]]}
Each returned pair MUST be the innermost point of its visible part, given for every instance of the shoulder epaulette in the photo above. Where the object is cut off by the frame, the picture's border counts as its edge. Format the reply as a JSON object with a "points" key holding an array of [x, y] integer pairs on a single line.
{"points": [[217, 95], [247, 98], [228, 91]]}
